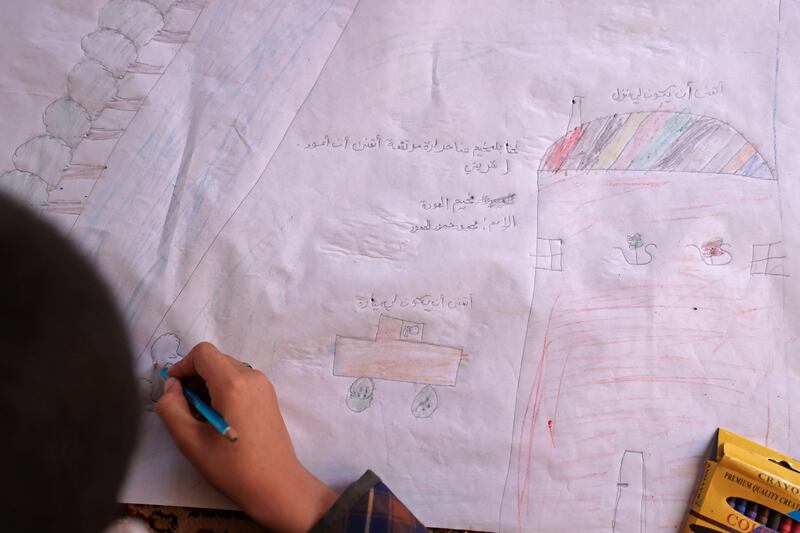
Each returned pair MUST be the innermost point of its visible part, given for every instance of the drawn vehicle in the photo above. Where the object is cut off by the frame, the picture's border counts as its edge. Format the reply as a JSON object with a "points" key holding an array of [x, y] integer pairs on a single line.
{"points": [[396, 353]]}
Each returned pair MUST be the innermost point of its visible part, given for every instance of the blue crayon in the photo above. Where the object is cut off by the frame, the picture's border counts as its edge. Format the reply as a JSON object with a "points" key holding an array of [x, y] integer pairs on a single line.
{"points": [[741, 505], [763, 515], [774, 521], [208, 412], [752, 510]]}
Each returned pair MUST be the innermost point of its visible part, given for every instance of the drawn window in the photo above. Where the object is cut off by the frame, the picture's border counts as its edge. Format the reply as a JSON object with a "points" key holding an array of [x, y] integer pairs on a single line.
{"points": [[411, 331], [548, 254], [768, 259]]}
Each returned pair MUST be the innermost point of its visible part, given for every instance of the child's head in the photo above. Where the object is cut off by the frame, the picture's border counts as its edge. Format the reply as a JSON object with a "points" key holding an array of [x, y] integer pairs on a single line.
{"points": [[67, 389]]}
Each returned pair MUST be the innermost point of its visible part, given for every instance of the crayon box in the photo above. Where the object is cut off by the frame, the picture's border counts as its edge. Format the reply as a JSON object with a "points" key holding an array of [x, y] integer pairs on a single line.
{"points": [[745, 487]]}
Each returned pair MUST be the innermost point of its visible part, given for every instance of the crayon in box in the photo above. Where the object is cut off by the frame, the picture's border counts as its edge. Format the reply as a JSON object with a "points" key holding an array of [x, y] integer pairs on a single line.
{"points": [[745, 487]]}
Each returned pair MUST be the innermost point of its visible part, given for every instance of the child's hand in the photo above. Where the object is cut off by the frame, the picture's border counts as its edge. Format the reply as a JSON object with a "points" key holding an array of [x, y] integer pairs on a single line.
{"points": [[260, 471]]}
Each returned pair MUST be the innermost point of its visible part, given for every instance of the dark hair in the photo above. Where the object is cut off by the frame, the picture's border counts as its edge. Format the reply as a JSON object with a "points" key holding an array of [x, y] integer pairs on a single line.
{"points": [[68, 396]]}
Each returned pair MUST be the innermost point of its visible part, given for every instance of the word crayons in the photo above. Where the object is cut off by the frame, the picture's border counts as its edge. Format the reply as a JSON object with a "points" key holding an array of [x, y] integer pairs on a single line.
{"points": [[745, 487]]}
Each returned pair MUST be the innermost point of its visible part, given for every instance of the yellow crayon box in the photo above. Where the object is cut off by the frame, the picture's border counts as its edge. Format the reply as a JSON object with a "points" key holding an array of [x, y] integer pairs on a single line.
{"points": [[745, 487]]}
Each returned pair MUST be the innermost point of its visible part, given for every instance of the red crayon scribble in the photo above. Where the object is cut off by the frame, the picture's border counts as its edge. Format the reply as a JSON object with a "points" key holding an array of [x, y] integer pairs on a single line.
{"points": [[693, 207], [534, 400], [560, 154], [558, 395], [706, 382], [657, 221], [553, 183]]}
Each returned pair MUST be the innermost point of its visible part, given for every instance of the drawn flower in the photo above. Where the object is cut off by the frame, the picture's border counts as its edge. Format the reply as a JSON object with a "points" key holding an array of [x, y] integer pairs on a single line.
{"points": [[712, 248], [635, 241]]}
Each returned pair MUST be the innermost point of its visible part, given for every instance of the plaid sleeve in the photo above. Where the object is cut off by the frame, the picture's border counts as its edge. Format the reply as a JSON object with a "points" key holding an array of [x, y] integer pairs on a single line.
{"points": [[368, 506]]}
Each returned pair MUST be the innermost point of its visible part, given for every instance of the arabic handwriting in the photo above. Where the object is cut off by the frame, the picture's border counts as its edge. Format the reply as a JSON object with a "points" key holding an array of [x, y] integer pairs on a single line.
{"points": [[480, 152], [686, 91], [484, 167], [503, 149], [501, 224], [469, 200], [425, 302], [405, 145]]}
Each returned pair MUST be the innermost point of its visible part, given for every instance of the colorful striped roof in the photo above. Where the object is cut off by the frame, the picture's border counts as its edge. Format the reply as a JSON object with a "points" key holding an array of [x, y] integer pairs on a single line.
{"points": [[657, 141]]}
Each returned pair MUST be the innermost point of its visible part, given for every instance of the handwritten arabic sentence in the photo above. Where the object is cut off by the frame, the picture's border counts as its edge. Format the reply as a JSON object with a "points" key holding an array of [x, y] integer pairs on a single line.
{"points": [[445, 204], [460, 204], [501, 224], [425, 302], [501, 150], [687, 91]]}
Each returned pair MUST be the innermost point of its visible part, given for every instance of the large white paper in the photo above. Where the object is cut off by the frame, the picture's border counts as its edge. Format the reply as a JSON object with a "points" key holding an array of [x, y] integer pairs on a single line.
{"points": [[519, 258]]}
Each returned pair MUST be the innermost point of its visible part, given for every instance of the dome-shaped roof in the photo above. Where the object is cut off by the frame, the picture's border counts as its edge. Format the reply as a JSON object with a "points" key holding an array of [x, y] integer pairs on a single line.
{"points": [[663, 141]]}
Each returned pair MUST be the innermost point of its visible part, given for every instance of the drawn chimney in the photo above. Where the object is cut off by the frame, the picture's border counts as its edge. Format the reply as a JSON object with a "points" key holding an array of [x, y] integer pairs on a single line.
{"points": [[575, 114]]}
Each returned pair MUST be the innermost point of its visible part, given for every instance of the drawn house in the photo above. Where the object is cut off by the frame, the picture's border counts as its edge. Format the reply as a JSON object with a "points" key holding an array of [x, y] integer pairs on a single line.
{"points": [[396, 353], [657, 306]]}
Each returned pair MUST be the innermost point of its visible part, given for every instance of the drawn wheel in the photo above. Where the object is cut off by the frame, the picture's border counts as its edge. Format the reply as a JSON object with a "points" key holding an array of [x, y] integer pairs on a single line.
{"points": [[360, 394], [425, 402]]}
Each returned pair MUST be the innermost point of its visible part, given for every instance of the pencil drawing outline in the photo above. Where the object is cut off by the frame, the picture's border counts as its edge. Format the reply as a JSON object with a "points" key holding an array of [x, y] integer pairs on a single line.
{"points": [[360, 394], [164, 351], [621, 485], [636, 244], [565, 161], [764, 263], [549, 254], [425, 402], [397, 352], [44, 163], [711, 249]]}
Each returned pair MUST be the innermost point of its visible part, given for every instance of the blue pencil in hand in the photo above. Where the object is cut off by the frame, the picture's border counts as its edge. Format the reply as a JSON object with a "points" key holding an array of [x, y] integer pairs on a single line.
{"points": [[208, 412]]}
